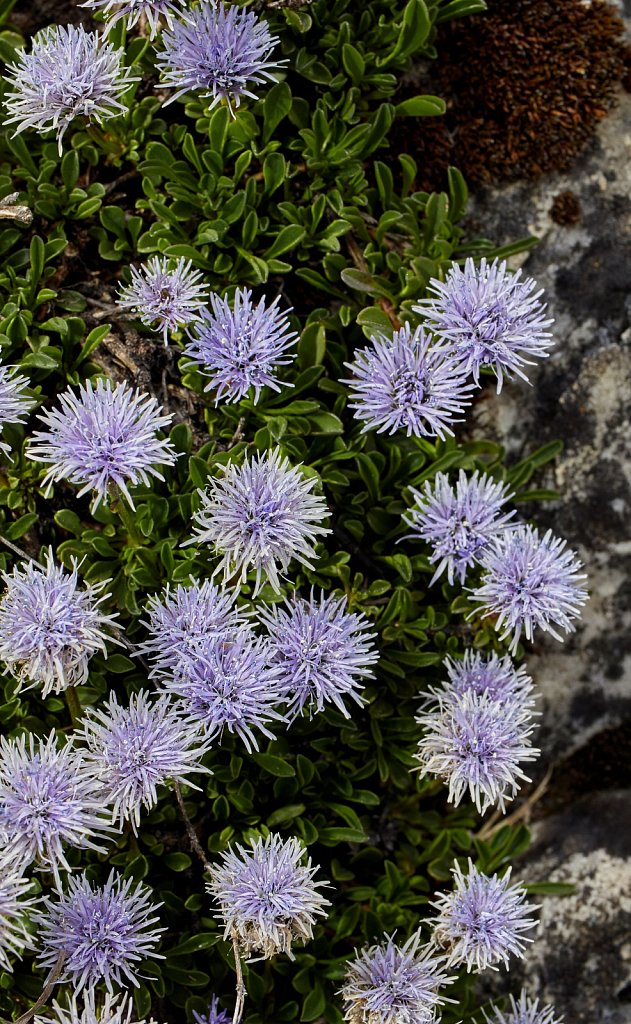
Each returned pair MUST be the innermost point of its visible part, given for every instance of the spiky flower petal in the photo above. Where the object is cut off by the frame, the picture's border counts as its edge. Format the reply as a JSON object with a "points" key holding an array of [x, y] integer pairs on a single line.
{"points": [[490, 316], [101, 438], [394, 984], [14, 402], [214, 1014], [267, 896], [478, 673], [260, 515], [68, 73], [239, 348], [530, 581], [220, 51], [15, 905], [111, 1009], [458, 522], [524, 1011], [50, 626], [323, 650], [481, 922], [102, 930], [409, 383], [133, 10], [164, 297]]}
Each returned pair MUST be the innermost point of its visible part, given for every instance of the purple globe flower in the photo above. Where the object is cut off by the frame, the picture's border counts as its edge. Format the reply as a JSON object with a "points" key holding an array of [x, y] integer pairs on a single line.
{"points": [[481, 674], [323, 651], [94, 1010], [164, 297], [239, 348], [490, 316], [220, 51], [530, 581], [259, 515], [481, 923], [477, 744], [68, 73], [267, 896], [524, 1011], [411, 383], [14, 402], [458, 522], [134, 10], [390, 984], [214, 1014], [134, 750], [230, 683], [103, 931], [103, 438], [15, 905], [50, 627], [49, 799]]}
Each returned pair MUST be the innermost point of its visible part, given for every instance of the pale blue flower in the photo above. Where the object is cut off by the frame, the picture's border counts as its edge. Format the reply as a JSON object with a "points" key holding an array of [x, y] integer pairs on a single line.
{"points": [[133, 10], [479, 673], [524, 1011], [15, 404], [16, 904], [94, 1009], [162, 296], [214, 1015]]}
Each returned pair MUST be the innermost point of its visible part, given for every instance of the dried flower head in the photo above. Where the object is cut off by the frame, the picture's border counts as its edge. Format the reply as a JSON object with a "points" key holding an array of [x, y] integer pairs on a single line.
{"points": [[214, 1014], [481, 922], [134, 750], [103, 930], [15, 905], [14, 402], [409, 383], [50, 626], [267, 896], [68, 73], [219, 51], [260, 515], [458, 522], [101, 438], [49, 799], [392, 984], [524, 1011], [480, 674], [111, 1009], [490, 316], [530, 581], [164, 297], [323, 651], [477, 744], [134, 10], [239, 348]]}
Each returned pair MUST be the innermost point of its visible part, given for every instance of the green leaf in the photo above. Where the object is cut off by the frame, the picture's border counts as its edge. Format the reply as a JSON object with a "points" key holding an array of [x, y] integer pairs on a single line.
{"points": [[21, 526], [119, 663], [421, 106], [339, 834], [354, 63], [274, 765], [177, 861], [314, 1003], [287, 238], [285, 814], [276, 106]]}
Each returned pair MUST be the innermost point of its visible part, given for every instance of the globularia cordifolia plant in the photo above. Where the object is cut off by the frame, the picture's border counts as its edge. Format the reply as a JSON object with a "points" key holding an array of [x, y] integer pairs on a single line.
{"points": [[265, 601]]}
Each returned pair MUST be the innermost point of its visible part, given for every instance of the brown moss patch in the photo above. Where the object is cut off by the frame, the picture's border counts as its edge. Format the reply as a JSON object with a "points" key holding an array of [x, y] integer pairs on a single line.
{"points": [[565, 209]]}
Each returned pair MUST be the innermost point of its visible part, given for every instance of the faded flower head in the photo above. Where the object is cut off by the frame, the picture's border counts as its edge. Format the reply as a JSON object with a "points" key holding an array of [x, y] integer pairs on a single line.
{"points": [[68, 73], [481, 923], [133, 10], [458, 522], [134, 750], [220, 51], [239, 348], [267, 896], [101, 438], [477, 744], [214, 1014], [490, 316], [260, 515], [530, 581], [409, 383], [49, 799], [15, 905], [50, 626], [478, 673], [524, 1011], [92, 1009], [323, 651], [164, 297], [391, 984], [230, 683], [14, 402], [103, 930]]}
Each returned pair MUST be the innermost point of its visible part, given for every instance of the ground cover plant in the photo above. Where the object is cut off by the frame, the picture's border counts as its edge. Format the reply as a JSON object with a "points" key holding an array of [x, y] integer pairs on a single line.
{"points": [[265, 600]]}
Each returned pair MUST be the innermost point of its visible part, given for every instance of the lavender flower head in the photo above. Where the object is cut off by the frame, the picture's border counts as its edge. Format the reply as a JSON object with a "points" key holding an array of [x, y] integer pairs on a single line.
{"points": [[240, 348], [102, 930], [458, 522], [390, 984], [50, 627], [259, 515], [486, 674], [411, 383], [490, 316], [524, 1011], [214, 1014], [164, 297], [267, 896], [68, 73], [109, 1010], [49, 798], [219, 51], [133, 10], [134, 750], [230, 684], [323, 651], [103, 438], [477, 744], [15, 905], [14, 402], [530, 581], [481, 923]]}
